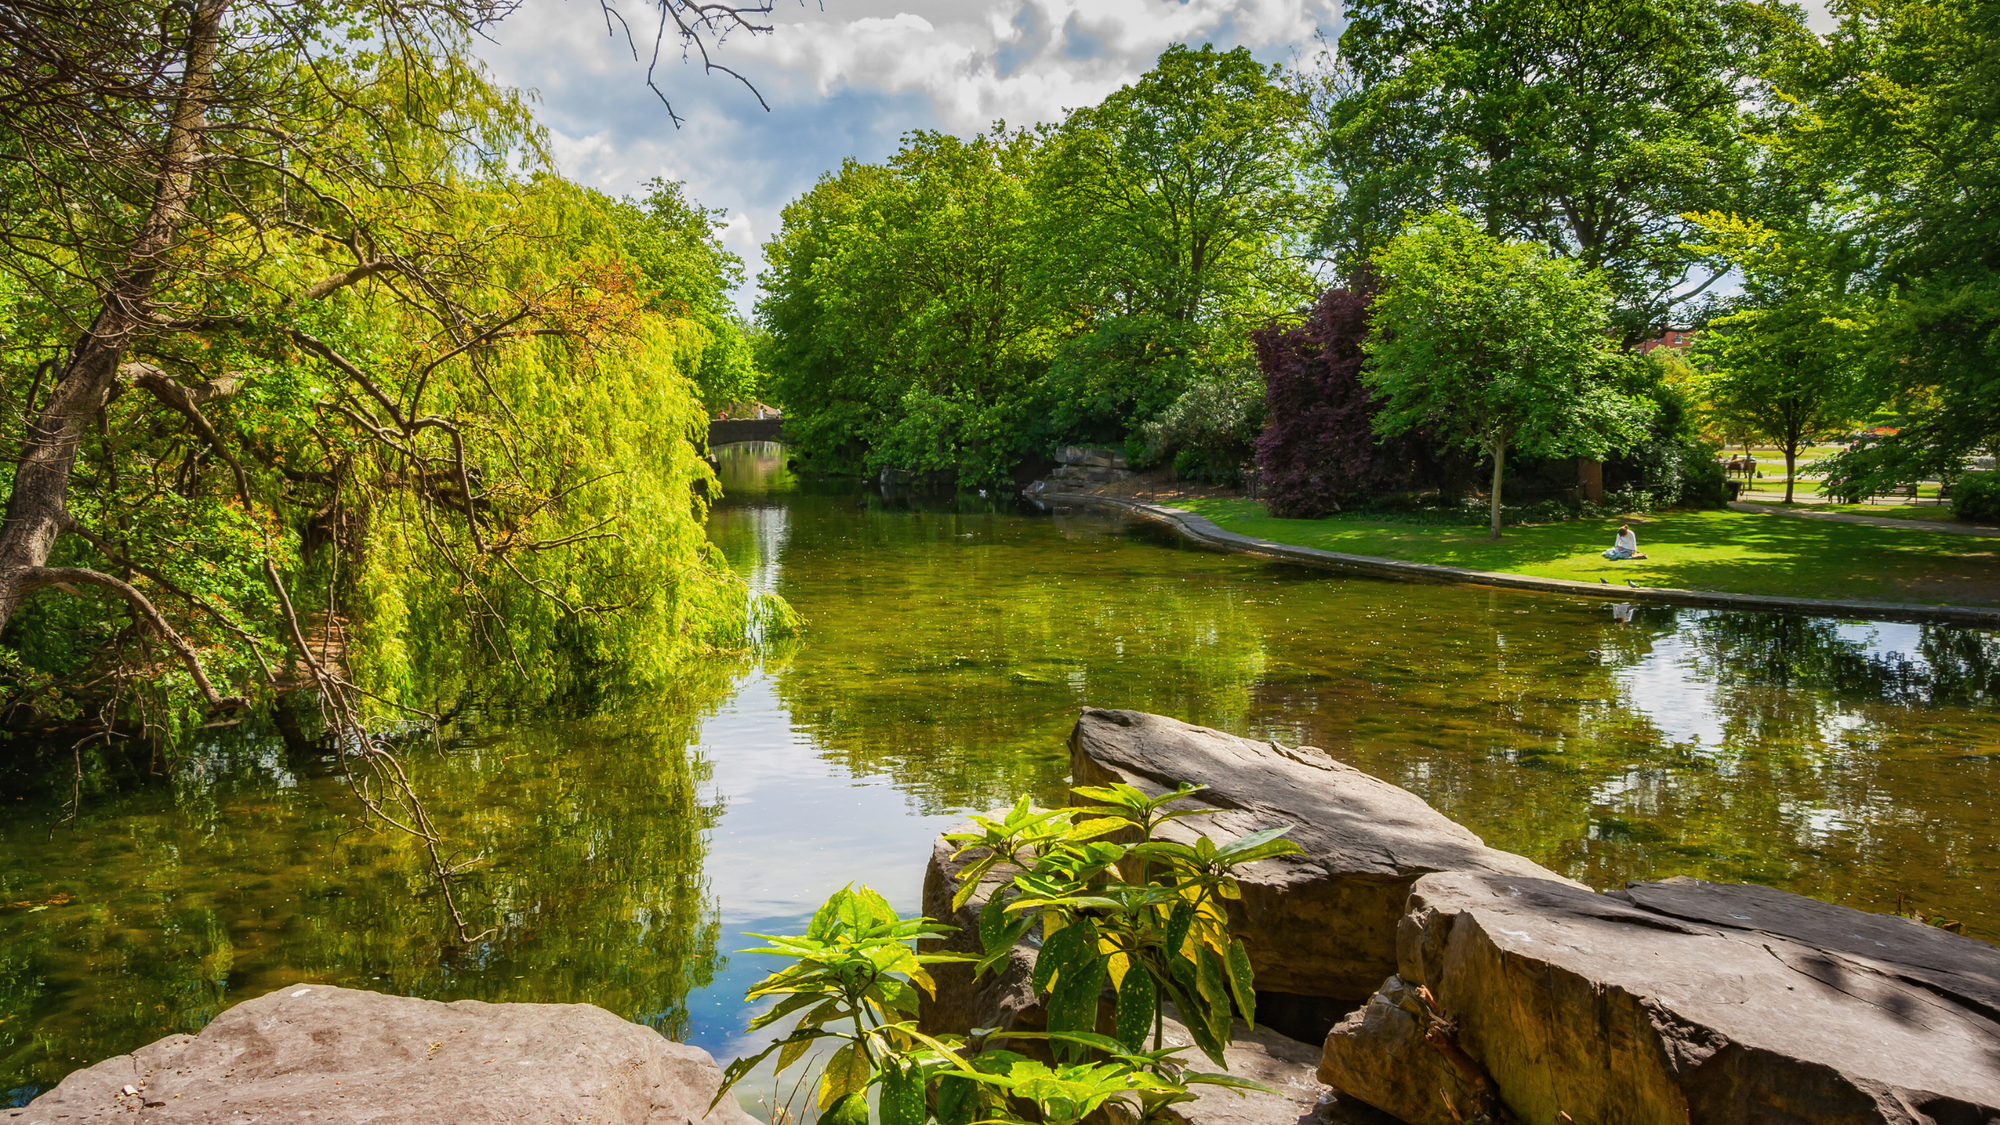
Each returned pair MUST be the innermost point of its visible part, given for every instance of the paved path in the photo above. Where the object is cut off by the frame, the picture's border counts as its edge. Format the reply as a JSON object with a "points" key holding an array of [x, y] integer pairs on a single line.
{"points": [[1203, 530], [1871, 521]]}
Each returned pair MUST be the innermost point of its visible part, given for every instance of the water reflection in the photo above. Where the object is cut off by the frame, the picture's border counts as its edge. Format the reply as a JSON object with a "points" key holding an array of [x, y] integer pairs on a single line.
{"points": [[585, 839], [949, 642]]}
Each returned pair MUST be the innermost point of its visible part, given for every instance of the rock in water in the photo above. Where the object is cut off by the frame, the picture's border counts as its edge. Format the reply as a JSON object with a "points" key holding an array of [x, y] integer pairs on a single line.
{"points": [[1322, 924], [1674, 1002], [336, 1055]]}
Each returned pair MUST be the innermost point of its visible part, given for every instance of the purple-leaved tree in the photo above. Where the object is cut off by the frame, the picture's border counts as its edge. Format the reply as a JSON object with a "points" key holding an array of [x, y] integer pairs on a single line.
{"points": [[1319, 450]]}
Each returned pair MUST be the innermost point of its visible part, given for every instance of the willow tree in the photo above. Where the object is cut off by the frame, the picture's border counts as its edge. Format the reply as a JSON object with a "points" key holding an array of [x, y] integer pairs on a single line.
{"points": [[312, 390]]}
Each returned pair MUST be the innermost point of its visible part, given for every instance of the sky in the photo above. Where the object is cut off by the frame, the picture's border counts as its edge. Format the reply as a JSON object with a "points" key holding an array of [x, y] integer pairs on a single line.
{"points": [[848, 78]]}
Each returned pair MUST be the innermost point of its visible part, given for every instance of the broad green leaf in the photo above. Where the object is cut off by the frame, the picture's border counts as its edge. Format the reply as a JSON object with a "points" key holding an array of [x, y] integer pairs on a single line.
{"points": [[1240, 981], [797, 1044], [1086, 1038], [828, 915], [957, 1100], [1252, 841], [1071, 949], [736, 1070], [1177, 926], [1072, 1004], [1138, 1000], [902, 1101], [1213, 993], [851, 1109], [1227, 1081], [846, 1072], [785, 1008], [968, 880]]}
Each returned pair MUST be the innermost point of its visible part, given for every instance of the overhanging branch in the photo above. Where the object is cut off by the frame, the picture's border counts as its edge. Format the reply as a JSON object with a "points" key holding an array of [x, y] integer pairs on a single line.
{"points": [[68, 577]]}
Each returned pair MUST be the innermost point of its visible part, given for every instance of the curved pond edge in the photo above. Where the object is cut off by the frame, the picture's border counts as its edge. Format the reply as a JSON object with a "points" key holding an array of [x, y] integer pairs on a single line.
{"points": [[1204, 531]]}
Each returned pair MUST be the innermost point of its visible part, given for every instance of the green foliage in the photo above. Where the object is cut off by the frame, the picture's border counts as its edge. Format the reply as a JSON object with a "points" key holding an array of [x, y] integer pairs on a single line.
{"points": [[1896, 127], [1493, 346], [969, 304], [1210, 429], [896, 301], [1589, 126], [1976, 496], [1785, 367], [1674, 463], [455, 409], [1163, 936]]}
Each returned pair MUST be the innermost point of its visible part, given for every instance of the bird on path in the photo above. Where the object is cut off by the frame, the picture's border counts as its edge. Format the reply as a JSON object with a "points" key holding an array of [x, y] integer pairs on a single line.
{"points": [[1631, 583]]}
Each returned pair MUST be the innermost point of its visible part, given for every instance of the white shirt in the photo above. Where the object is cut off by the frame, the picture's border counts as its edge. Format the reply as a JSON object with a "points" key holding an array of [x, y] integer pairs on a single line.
{"points": [[1628, 540]]}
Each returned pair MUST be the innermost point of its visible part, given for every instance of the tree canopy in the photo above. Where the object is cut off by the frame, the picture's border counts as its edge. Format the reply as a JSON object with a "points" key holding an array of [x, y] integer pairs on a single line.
{"points": [[1495, 346], [1785, 365], [318, 391], [1896, 130], [968, 304], [1590, 127]]}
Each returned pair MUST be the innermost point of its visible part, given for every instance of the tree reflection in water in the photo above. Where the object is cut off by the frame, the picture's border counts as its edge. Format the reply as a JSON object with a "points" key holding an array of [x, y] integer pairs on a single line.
{"points": [[948, 644]]}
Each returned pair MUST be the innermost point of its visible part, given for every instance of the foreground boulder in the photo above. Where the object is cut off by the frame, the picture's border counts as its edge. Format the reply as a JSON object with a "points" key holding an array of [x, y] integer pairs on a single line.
{"points": [[1322, 924], [335, 1055], [1671, 1002]]}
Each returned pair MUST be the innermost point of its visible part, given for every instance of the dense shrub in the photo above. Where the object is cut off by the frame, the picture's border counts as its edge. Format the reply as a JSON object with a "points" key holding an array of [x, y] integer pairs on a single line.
{"points": [[1211, 429], [1318, 452], [1976, 496]]}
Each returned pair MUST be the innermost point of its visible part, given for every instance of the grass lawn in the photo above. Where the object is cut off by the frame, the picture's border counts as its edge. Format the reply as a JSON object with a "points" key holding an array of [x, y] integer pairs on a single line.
{"points": [[1735, 552]]}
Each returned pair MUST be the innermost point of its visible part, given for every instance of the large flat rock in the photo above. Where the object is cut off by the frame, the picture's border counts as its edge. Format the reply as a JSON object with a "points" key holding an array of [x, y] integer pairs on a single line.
{"points": [[335, 1055], [1322, 924], [1675, 1002]]}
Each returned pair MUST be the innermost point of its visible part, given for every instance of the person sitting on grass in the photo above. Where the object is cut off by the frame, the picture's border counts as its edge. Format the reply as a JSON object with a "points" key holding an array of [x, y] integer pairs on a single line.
{"points": [[1626, 546]]}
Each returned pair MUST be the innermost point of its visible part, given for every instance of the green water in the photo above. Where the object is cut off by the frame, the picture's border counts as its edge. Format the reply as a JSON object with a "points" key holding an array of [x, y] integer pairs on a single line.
{"points": [[624, 853]]}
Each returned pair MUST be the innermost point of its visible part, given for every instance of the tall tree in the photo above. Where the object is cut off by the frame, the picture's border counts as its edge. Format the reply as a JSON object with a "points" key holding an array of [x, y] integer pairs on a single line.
{"points": [[1591, 127], [1897, 121], [898, 299], [1169, 216], [1495, 346], [1785, 365]]}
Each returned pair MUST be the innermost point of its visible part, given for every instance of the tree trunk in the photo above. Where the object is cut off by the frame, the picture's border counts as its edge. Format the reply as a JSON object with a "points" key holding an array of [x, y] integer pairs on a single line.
{"points": [[37, 507], [1499, 462], [1791, 459]]}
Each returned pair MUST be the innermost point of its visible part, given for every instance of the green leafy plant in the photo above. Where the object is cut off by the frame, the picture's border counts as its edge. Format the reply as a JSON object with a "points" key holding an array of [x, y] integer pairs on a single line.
{"points": [[1147, 917], [1143, 917]]}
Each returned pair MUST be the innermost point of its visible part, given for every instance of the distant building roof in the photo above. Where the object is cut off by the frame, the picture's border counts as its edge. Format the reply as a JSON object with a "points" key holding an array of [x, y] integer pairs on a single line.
{"points": [[1669, 337]]}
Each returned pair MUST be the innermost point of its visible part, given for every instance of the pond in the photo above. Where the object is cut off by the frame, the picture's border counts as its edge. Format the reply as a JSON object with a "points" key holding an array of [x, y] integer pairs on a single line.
{"points": [[621, 855]]}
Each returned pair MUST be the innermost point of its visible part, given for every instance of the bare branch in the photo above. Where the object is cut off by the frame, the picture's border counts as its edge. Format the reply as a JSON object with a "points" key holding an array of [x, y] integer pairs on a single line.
{"points": [[362, 272]]}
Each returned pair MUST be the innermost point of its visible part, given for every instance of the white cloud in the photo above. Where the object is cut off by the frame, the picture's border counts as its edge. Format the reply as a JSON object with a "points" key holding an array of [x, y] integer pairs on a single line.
{"points": [[845, 78], [1024, 60]]}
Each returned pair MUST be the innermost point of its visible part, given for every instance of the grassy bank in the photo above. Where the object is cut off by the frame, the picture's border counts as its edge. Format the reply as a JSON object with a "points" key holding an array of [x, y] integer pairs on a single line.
{"points": [[1735, 552]]}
